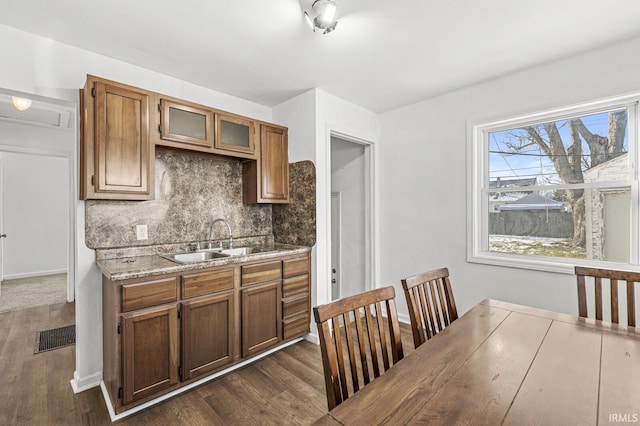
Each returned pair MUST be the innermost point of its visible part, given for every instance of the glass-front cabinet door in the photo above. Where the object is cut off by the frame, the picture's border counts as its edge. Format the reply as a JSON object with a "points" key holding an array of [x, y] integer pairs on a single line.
{"points": [[235, 134], [186, 124]]}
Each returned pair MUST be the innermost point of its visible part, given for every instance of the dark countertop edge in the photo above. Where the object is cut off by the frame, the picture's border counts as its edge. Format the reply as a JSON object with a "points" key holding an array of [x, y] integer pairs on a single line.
{"points": [[157, 265]]}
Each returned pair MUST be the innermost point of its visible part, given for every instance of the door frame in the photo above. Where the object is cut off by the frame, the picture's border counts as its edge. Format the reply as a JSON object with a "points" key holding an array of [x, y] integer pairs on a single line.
{"points": [[1, 217], [370, 207], [71, 220], [336, 196]]}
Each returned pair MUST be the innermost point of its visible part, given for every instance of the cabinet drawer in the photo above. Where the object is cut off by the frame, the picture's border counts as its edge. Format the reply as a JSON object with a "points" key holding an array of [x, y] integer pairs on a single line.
{"points": [[261, 273], [149, 293], [293, 267], [295, 285], [205, 283], [295, 326], [295, 306]]}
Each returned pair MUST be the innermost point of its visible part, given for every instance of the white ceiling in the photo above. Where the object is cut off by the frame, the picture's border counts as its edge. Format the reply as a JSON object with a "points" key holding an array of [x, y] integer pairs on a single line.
{"points": [[384, 54]]}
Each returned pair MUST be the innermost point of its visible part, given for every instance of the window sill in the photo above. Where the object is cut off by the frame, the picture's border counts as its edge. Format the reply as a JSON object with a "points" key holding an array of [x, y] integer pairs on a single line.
{"points": [[544, 264]]}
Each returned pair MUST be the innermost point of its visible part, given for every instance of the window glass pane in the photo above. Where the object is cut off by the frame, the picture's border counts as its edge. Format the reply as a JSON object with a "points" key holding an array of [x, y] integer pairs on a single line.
{"points": [[588, 221], [234, 134], [542, 223], [589, 148], [187, 123]]}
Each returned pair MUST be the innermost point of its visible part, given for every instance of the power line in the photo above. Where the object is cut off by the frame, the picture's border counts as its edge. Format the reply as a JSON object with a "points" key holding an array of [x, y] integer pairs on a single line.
{"points": [[511, 153]]}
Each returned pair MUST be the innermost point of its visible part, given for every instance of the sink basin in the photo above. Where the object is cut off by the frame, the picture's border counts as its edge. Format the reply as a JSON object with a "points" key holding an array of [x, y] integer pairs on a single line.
{"points": [[196, 256], [208, 254], [240, 251]]}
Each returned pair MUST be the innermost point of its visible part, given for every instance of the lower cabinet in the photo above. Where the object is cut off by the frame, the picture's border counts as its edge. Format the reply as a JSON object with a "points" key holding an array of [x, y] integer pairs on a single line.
{"points": [[207, 334], [162, 333], [260, 317], [296, 296], [149, 351]]}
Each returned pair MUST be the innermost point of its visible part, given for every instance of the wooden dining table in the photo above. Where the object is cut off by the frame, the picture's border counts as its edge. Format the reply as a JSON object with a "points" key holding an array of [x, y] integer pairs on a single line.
{"points": [[502, 363]]}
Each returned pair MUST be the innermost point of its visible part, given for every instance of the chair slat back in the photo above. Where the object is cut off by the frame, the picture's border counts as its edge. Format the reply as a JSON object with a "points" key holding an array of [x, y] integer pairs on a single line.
{"points": [[357, 341], [600, 279], [431, 304]]}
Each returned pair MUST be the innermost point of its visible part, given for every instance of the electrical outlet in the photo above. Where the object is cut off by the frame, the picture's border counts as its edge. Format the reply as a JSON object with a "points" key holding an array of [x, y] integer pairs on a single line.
{"points": [[141, 232]]}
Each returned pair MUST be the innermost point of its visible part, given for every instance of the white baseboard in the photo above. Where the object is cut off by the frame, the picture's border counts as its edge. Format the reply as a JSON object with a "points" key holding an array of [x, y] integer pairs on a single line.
{"points": [[34, 274], [81, 384], [313, 338]]}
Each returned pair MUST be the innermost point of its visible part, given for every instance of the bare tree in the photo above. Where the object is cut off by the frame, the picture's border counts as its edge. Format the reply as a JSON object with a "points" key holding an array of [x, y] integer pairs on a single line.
{"points": [[569, 162]]}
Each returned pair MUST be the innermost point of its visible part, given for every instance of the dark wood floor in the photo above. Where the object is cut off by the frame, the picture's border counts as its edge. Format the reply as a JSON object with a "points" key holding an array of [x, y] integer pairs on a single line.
{"points": [[286, 388]]}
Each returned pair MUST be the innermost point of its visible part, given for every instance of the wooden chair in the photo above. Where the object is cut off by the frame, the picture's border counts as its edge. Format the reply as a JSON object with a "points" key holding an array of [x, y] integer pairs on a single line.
{"points": [[612, 276], [373, 350], [431, 304]]}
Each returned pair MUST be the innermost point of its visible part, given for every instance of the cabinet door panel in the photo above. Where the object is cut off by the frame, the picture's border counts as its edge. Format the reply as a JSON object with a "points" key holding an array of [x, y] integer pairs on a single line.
{"points": [[122, 140], [186, 124], [261, 314], [150, 351], [275, 164], [235, 134], [207, 334]]}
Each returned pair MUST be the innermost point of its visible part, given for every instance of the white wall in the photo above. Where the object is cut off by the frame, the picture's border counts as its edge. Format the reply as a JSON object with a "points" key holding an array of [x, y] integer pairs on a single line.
{"points": [[35, 214], [423, 174], [348, 177], [48, 68], [324, 114]]}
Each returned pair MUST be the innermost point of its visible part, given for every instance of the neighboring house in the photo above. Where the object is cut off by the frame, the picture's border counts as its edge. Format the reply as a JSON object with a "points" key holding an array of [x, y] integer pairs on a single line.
{"points": [[532, 202], [497, 199], [607, 212]]}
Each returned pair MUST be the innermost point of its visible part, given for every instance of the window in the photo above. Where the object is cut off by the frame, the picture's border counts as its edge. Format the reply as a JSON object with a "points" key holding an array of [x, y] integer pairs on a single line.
{"points": [[555, 189]]}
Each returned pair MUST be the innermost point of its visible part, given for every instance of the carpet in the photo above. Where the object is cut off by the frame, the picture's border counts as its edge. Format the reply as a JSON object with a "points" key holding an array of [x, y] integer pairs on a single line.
{"points": [[24, 293]]}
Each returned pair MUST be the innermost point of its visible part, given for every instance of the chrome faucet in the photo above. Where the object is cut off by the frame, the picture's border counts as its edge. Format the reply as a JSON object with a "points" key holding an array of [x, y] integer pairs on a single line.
{"points": [[210, 245]]}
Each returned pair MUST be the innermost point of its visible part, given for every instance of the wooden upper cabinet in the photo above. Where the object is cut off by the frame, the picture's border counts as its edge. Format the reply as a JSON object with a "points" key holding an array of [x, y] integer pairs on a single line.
{"points": [[235, 136], [185, 124], [121, 126], [267, 179], [117, 156]]}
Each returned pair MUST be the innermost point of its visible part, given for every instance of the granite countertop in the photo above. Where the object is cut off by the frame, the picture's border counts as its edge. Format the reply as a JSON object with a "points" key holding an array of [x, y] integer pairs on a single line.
{"points": [[148, 265]]}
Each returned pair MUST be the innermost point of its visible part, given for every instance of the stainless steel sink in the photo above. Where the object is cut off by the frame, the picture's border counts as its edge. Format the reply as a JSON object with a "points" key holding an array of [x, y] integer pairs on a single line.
{"points": [[243, 251], [208, 254], [195, 256]]}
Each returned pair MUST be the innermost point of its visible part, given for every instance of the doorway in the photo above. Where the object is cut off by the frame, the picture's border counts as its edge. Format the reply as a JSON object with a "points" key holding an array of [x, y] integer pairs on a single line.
{"points": [[350, 217], [34, 214], [37, 164]]}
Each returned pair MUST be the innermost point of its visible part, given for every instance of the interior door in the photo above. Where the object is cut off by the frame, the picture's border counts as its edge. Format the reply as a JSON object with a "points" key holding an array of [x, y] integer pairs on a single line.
{"points": [[336, 213]]}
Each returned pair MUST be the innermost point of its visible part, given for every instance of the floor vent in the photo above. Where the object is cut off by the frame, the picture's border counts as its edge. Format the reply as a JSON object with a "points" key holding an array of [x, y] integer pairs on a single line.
{"points": [[55, 338]]}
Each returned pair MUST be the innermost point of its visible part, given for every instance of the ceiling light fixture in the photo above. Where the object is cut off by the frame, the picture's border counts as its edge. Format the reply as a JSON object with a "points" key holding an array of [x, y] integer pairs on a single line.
{"points": [[325, 14], [21, 104]]}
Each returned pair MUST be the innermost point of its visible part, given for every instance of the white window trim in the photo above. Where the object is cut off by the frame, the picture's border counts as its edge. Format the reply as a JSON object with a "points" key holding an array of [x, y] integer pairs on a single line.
{"points": [[477, 205]]}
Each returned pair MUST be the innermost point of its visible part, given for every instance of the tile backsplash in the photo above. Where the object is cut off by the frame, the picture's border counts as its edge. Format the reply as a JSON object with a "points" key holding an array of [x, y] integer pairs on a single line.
{"points": [[191, 191]]}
